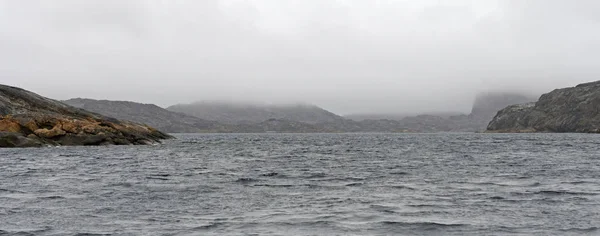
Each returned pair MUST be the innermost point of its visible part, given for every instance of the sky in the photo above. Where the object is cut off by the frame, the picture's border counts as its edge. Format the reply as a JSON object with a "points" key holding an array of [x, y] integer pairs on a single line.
{"points": [[347, 56]]}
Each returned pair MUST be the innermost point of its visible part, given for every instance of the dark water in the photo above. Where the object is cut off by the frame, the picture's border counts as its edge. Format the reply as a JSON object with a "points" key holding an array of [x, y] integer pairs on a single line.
{"points": [[313, 184]]}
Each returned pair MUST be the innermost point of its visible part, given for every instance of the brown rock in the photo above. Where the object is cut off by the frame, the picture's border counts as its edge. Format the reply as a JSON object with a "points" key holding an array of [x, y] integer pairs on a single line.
{"points": [[90, 129], [31, 125], [54, 132], [71, 127], [9, 125]]}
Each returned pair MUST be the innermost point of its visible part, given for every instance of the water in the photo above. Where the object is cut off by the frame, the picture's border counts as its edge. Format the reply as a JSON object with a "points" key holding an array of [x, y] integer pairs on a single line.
{"points": [[308, 184]]}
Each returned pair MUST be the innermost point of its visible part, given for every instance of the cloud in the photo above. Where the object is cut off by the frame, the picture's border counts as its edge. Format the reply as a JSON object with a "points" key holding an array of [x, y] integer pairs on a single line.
{"points": [[346, 55]]}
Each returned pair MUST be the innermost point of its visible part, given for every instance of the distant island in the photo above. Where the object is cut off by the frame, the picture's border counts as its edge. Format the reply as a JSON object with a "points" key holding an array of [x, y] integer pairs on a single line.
{"points": [[223, 117], [30, 120], [575, 109]]}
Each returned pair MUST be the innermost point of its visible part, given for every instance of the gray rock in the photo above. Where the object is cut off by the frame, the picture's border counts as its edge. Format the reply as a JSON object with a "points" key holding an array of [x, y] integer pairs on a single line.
{"points": [[575, 109], [10, 139]]}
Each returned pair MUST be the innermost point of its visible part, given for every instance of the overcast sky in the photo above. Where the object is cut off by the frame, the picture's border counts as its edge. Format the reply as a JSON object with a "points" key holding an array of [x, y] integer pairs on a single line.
{"points": [[348, 56]]}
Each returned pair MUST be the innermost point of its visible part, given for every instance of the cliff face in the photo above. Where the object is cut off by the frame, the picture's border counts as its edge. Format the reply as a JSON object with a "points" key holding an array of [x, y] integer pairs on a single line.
{"points": [[575, 109], [30, 120], [150, 114]]}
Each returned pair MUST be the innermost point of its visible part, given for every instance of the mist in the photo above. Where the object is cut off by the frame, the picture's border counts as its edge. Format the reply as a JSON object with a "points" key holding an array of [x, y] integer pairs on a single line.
{"points": [[348, 56]]}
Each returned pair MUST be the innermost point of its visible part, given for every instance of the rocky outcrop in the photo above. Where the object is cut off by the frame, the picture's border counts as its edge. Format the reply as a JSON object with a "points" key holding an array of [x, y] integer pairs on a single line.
{"points": [[30, 120], [575, 109], [150, 114]]}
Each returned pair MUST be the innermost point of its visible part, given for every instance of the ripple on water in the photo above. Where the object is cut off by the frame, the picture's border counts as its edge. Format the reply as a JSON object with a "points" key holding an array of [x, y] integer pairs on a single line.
{"points": [[316, 184]]}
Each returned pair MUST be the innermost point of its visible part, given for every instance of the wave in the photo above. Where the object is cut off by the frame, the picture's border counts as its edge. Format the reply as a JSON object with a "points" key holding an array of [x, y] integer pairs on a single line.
{"points": [[402, 187], [274, 185], [564, 192], [316, 175], [578, 182], [271, 174], [429, 226], [52, 197], [534, 184], [582, 230], [399, 173], [10, 191], [69, 155], [156, 178], [208, 227], [26, 232], [91, 234], [384, 209], [246, 180]]}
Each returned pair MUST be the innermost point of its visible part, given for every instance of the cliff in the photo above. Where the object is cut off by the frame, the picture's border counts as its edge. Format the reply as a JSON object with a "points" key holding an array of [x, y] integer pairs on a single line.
{"points": [[575, 109], [30, 120]]}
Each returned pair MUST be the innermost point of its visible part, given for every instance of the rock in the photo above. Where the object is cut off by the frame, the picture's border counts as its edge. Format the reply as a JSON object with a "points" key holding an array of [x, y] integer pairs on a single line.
{"points": [[575, 109], [28, 120], [12, 139], [31, 125], [9, 125], [52, 133], [71, 127]]}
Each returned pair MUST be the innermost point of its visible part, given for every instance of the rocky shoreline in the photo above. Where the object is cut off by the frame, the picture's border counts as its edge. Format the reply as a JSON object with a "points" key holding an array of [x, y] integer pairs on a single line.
{"points": [[30, 120], [566, 110]]}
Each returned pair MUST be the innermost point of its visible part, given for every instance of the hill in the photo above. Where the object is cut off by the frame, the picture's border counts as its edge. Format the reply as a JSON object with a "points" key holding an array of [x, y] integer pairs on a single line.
{"points": [[30, 120], [575, 109], [150, 114], [236, 113]]}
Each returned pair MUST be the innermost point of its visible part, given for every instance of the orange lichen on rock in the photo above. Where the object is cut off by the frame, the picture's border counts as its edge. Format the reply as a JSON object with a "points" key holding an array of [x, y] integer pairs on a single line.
{"points": [[73, 126], [35, 121], [9, 125], [31, 125], [54, 132]]}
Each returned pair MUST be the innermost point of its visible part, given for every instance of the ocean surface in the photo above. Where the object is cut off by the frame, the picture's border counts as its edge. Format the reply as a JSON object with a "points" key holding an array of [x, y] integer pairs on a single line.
{"points": [[308, 184]]}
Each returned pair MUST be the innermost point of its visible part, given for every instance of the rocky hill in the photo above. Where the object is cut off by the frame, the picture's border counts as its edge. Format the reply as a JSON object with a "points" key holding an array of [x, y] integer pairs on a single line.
{"points": [[30, 120], [234, 113], [575, 109], [485, 106], [150, 114], [216, 117]]}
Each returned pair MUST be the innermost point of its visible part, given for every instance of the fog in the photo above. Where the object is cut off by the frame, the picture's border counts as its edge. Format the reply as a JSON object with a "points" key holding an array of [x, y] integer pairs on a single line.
{"points": [[348, 56]]}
